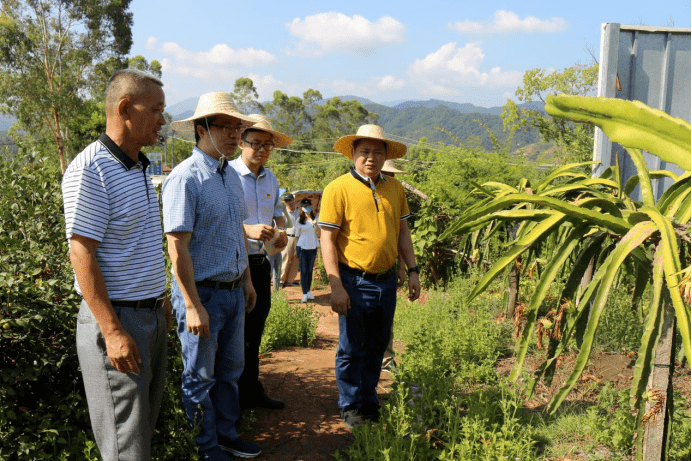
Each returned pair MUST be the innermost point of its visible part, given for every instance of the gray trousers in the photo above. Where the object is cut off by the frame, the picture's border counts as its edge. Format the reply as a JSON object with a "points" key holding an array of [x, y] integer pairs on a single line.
{"points": [[123, 408]]}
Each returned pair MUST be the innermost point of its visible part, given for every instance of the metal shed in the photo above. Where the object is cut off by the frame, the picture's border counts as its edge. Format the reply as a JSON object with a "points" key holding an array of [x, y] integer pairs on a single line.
{"points": [[651, 65]]}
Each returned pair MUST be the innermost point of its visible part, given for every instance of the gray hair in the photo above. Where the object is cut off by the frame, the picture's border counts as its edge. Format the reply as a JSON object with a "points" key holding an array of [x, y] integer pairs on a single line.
{"points": [[131, 83]]}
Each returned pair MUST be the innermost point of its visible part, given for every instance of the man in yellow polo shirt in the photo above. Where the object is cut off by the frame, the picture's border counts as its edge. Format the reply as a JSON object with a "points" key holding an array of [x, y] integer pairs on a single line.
{"points": [[364, 228]]}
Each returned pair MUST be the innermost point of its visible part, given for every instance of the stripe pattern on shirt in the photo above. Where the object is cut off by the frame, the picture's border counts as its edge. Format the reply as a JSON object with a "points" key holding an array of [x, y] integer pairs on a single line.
{"points": [[117, 206]]}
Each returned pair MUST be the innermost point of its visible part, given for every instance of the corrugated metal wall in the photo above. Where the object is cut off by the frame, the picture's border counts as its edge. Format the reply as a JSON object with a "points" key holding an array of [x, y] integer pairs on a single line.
{"points": [[647, 64]]}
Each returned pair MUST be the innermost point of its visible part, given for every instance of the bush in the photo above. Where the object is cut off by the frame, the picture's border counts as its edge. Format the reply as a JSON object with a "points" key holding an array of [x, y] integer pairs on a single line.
{"points": [[288, 324], [43, 412]]}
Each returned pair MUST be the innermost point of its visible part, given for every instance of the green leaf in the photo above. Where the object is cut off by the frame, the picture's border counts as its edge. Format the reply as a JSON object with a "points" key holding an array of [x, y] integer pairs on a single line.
{"points": [[651, 333], [604, 279], [671, 266], [523, 243], [643, 174], [629, 123], [549, 273]]}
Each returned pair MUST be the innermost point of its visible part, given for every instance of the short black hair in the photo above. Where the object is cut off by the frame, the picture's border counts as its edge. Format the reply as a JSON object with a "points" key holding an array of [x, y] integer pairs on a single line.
{"points": [[204, 122], [247, 131]]}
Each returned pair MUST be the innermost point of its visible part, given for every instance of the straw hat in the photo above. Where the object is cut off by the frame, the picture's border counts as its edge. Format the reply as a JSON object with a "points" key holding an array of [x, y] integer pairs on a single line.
{"points": [[344, 145], [216, 103], [262, 123], [390, 168]]}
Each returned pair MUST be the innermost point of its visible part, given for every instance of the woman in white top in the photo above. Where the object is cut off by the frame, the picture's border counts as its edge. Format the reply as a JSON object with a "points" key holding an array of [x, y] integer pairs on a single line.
{"points": [[307, 233]]}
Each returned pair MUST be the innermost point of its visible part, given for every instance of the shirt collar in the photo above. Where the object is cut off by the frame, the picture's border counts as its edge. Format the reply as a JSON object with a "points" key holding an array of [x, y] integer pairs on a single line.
{"points": [[124, 159], [212, 163], [243, 169], [365, 179]]}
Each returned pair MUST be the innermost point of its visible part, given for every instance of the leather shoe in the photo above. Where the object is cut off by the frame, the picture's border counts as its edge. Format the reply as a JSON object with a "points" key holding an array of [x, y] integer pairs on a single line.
{"points": [[265, 401]]}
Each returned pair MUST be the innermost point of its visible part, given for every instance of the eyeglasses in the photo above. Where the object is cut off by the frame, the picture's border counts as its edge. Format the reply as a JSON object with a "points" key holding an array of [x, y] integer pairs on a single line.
{"points": [[255, 145], [230, 129]]}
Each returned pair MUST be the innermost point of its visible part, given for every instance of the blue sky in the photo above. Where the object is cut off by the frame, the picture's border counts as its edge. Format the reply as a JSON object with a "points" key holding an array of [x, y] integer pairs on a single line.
{"points": [[385, 51]]}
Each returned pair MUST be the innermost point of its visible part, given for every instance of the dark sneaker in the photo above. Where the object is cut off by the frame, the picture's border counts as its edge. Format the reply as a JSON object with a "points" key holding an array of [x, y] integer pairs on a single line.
{"points": [[214, 454], [352, 418], [264, 401], [370, 411], [239, 447]]}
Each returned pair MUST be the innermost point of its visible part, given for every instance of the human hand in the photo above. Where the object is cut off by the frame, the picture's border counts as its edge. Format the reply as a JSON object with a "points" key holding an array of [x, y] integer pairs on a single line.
{"points": [[281, 240], [413, 286], [340, 301], [261, 232], [250, 295], [168, 311], [197, 319], [122, 351]]}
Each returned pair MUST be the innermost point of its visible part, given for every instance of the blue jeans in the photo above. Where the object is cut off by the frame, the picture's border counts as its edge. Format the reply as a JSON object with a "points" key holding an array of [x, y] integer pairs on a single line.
{"points": [[211, 367], [307, 264], [363, 338], [275, 262]]}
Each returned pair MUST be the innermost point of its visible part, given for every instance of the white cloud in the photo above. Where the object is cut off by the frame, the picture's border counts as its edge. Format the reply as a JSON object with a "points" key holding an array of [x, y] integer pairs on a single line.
{"points": [[328, 32], [389, 82], [509, 22], [450, 70], [219, 62], [371, 87]]}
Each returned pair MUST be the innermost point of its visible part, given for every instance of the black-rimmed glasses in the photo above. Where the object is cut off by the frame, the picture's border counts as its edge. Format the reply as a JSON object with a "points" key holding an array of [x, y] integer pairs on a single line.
{"points": [[255, 145]]}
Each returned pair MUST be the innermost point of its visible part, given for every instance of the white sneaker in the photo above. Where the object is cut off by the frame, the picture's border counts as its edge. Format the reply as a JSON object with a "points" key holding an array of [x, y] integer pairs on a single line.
{"points": [[304, 299], [310, 295]]}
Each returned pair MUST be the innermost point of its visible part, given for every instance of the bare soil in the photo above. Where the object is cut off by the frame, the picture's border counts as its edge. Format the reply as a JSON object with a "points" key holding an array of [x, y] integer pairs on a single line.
{"points": [[310, 428]]}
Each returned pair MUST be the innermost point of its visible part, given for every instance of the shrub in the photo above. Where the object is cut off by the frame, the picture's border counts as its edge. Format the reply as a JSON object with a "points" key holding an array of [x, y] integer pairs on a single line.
{"points": [[43, 412], [288, 324]]}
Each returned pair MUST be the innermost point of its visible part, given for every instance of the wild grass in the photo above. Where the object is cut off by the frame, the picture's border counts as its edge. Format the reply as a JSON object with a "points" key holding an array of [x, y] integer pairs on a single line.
{"points": [[288, 324], [448, 401]]}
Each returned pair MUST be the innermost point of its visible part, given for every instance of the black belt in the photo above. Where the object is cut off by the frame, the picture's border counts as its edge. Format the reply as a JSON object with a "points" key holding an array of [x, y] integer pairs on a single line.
{"points": [[381, 277], [290, 235], [256, 260], [206, 283], [149, 303]]}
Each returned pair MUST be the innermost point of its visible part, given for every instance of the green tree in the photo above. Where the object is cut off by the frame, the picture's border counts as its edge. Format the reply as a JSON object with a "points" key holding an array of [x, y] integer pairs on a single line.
{"points": [[575, 138], [245, 96], [47, 50], [288, 114]]}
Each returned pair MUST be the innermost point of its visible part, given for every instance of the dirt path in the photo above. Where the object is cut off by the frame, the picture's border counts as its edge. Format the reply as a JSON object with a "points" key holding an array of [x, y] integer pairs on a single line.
{"points": [[309, 428]]}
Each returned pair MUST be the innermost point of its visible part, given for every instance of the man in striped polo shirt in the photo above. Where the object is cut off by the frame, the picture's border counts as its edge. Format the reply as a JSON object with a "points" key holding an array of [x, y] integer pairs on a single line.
{"points": [[203, 213], [364, 229], [114, 233]]}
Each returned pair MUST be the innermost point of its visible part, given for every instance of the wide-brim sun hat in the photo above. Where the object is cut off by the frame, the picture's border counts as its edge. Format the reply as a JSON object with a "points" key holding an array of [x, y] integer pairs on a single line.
{"points": [[344, 145], [262, 123], [209, 104], [389, 167]]}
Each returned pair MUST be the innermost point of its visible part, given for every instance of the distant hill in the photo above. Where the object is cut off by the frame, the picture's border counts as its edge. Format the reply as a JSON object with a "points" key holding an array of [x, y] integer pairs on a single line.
{"points": [[415, 121], [465, 108]]}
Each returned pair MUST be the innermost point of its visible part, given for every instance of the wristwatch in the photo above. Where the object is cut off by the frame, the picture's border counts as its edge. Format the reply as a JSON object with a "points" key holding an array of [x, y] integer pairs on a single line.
{"points": [[413, 269]]}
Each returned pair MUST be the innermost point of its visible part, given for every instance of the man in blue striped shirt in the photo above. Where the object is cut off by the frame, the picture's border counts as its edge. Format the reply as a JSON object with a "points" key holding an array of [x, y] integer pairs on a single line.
{"points": [[203, 213], [114, 232]]}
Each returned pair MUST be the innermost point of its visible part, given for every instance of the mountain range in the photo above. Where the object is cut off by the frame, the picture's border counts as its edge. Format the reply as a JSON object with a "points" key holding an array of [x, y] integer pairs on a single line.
{"points": [[436, 120]]}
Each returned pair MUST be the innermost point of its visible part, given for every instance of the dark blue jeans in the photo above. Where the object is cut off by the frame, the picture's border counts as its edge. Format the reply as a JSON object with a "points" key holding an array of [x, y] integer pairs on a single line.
{"points": [[211, 367], [307, 264], [363, 338]]}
